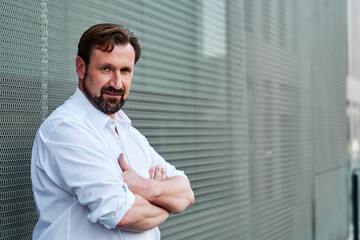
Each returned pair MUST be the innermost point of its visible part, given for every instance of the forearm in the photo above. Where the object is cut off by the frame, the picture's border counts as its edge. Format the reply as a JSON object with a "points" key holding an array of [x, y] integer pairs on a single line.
{"points": [[142, 216], [173, 194]]}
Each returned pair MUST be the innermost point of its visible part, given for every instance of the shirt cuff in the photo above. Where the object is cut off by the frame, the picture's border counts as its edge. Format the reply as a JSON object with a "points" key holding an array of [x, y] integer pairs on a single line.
{"points": [[112, 219]]}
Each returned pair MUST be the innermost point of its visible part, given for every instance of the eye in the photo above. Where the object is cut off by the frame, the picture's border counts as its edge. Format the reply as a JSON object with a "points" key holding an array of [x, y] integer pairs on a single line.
{"points": [[126, 70], [105, 68]]}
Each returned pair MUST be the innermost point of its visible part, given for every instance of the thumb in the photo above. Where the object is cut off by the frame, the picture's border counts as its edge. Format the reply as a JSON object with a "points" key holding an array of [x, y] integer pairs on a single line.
{"points": [[123, 164]]}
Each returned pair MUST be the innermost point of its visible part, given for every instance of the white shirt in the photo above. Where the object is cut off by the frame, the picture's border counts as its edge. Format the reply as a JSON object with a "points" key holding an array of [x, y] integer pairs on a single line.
{"points": [[76, 179]]}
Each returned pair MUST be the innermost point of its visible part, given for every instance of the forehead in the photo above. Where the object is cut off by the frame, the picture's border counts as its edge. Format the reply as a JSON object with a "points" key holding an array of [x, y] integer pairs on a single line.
{"points": [[120, 54]]}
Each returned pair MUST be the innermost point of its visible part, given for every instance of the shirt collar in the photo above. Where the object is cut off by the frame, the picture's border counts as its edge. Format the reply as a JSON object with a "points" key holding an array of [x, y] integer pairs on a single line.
{"points": [[123, 123], [97, 117]]}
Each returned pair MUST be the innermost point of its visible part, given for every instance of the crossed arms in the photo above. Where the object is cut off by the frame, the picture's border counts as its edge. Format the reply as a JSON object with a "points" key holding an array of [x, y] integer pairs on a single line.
{"points": [[155, 198]]}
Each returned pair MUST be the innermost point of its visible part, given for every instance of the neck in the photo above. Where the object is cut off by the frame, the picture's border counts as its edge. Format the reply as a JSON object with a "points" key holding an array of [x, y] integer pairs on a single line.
{"points": [[111, 115]]}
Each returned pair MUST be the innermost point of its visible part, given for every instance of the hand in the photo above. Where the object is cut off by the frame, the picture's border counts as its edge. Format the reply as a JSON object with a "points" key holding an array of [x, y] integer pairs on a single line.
{"points": [[158, 173], [174, 194], [136, 183]]}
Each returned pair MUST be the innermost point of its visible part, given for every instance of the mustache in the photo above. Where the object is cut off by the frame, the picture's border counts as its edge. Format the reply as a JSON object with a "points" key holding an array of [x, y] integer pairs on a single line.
{"points": [[112, 90]]}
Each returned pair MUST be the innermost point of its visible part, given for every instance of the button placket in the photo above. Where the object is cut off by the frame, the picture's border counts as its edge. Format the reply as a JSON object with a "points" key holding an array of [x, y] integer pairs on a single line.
{"points": [[126, 156]]}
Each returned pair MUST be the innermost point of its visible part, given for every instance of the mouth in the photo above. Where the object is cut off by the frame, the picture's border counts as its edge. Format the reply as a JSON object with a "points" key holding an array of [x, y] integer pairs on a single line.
{"points": [[111, 94]]}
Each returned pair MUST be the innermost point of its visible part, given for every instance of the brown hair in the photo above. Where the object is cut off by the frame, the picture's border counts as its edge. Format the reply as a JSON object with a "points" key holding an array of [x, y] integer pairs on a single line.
{"points": [[106, 36]]}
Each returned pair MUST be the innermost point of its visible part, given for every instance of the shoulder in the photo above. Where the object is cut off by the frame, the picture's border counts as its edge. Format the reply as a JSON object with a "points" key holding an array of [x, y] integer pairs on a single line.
{"points": [[138, 136], [67, 132], [68, 114]]}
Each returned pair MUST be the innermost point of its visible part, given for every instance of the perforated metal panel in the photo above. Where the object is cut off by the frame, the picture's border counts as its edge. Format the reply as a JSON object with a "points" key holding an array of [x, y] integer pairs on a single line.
{"points": [[203, 130], [246, 96], [331, 204], [279, 121], [329, 54], [353, 82], [21, 108], [297, 128], [187, 95]]}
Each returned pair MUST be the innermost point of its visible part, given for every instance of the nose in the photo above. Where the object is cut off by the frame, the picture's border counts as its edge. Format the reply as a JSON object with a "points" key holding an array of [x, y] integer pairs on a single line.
{"points": [[116, 81]]}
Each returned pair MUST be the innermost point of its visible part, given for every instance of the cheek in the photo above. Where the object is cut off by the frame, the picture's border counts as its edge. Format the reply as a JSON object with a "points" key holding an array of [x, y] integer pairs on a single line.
{"points": [[97, 82], [126, 93], [127, 89]]}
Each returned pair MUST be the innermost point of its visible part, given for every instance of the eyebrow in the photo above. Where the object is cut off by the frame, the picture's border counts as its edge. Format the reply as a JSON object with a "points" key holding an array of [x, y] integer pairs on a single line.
{"points": [[113, 66], [127, 68]]}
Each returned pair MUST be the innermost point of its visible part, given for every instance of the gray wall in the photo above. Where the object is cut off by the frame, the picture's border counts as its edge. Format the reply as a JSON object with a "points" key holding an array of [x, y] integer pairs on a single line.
{"points": [[248, 97]]}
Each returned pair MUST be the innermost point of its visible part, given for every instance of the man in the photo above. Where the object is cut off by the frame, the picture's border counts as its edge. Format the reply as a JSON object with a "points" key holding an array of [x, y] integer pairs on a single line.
{"points": [[94, 176]]}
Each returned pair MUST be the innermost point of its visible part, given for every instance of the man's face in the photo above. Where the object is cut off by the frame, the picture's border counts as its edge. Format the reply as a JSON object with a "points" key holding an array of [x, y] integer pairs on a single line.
{"points": [[107, 79]]}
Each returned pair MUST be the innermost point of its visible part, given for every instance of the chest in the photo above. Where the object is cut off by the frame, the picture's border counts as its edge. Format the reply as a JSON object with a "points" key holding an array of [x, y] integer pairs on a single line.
{"points": [[135, 151]]}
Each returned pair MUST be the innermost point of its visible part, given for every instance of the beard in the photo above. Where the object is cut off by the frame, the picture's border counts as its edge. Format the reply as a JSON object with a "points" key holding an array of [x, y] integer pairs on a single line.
{"points": [[108, 105]]}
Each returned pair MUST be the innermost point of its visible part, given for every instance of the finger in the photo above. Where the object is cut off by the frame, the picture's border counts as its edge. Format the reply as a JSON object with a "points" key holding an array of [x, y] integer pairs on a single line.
{"points": [[158, 172], [152, 172], [163, 174], [123, 164]]}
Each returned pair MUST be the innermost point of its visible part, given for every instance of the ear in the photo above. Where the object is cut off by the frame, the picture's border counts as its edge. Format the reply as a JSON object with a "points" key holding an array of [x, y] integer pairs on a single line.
{"points": [[80, 67]]}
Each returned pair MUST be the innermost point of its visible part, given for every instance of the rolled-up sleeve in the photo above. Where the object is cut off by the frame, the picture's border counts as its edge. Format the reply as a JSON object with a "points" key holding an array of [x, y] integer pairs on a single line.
{"points": [[79, 163], [110, 216]]}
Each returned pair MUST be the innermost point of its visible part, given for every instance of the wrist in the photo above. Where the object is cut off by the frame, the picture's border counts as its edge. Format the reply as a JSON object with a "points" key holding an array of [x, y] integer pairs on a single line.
{"points": [[153, 189]]}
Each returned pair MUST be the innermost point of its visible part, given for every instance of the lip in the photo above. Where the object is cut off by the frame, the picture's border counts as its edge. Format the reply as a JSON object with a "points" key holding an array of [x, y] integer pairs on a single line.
{"points": [[112, 94]]}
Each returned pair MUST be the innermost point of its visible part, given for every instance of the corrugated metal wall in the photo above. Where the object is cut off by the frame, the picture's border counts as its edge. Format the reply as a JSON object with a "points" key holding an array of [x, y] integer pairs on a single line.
{"points": [[248, 97], [353, 81], [22, 69], [279, 104], [296, 70], [329, 137]]}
